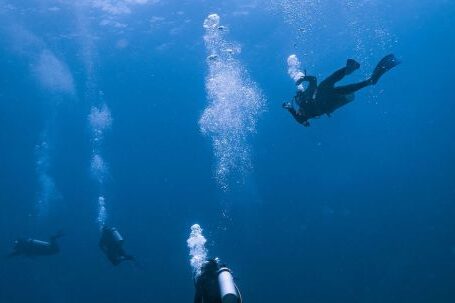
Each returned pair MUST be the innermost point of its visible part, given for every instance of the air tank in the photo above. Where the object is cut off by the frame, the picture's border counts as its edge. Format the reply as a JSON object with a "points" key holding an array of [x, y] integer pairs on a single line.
{"points": [[39, 244], [227, 286], [116, 236]]}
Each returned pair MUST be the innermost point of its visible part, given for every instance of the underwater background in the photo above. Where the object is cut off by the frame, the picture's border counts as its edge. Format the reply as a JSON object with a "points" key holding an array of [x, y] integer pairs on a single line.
{"points": [[113, 112]]}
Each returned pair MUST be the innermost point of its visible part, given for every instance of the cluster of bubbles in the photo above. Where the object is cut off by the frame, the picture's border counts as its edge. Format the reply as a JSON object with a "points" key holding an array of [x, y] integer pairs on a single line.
{"points": [[198, 252], [54, 77], [119, 7], [53, 73], [235, 103], [300, 13], [98, 167], [99, 117], [356, 24], [102, 212], [364, 30], [294, 69], [100, 120]]}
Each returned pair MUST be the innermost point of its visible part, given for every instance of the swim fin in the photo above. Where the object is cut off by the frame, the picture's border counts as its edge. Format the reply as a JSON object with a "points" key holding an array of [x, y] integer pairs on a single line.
{"points": [[386, 64], [351, 66]]}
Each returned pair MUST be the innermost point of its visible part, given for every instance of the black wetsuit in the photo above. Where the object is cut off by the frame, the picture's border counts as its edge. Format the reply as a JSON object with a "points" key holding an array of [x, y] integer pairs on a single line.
{"points": [[324, 98], [32, 247], [207, 287], [113, 248]]}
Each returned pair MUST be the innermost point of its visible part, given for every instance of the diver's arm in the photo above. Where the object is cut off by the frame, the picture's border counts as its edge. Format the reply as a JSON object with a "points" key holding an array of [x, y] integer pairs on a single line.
{"points": [[103, 247], [297, 117], [312, 81], [312, 86], [198, 285], [294, 114], [197, 296]]}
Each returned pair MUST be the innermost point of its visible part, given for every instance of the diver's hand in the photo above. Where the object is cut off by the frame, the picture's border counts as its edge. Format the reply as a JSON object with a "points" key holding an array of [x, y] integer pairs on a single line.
{"points": [[300, 80], [286, 105]]}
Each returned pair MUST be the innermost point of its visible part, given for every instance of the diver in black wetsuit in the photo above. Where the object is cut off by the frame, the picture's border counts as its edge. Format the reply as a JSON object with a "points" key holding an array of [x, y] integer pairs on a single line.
{"points": [[325, 98], [32, 247], [111, 243], [215, 284]]}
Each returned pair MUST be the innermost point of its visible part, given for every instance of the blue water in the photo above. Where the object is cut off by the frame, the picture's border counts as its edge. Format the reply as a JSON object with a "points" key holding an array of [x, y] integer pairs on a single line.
{"points": [[359, 207]]}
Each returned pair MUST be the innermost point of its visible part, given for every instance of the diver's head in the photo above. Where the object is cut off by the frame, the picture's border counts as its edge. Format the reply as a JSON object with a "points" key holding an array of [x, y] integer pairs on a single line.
{"points": [[105, 229], [19, 244], [211, 265]]}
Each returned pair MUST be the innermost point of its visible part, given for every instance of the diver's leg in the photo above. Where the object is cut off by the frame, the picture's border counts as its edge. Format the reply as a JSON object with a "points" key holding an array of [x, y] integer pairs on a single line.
{"points": [[351, 66], [333, 78], [123, 255], [352, 88], [336, 102]]}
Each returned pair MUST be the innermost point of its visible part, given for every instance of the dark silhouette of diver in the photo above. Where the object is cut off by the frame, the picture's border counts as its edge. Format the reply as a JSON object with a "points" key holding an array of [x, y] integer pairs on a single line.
{"points": [[215, 284], [111, 243], [325, 98], [32, 247]]}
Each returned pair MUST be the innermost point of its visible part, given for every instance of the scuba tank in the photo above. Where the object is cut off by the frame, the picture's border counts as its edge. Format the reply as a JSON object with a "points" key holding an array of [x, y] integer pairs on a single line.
{"points": [[228, 290], [116, 236], [38, 244]]}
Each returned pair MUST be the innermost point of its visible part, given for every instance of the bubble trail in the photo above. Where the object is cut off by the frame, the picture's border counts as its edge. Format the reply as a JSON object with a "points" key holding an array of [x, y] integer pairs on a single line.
{"points": [[198, 252], [55, 79], [53, 73], [235, 103], [301, 13], [360, 24], [294, 69], [102, 212], [47, 189], [100, 120]]}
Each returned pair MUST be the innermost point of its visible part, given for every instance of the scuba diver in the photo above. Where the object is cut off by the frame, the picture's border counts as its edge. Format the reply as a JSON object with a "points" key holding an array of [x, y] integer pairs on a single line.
{"points": [[325, 98], [215, 284], [111, 243], [32, 247]]}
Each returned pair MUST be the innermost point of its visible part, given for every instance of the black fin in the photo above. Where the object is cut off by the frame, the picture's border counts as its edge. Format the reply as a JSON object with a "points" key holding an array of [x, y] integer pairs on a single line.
{"points": [[351, 66], [386, 64]]}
